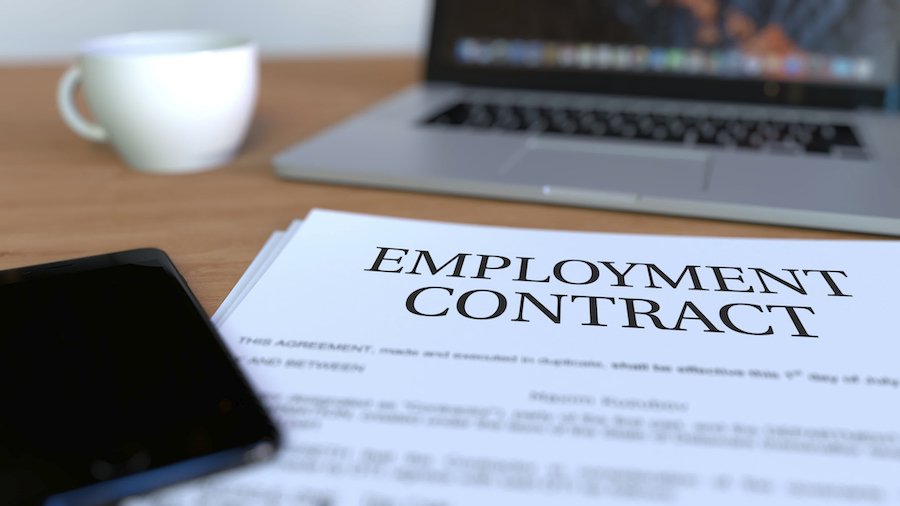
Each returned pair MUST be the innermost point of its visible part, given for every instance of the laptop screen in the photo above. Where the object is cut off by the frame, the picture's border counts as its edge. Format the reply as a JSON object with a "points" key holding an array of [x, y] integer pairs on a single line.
{"points": [[769, 47]]}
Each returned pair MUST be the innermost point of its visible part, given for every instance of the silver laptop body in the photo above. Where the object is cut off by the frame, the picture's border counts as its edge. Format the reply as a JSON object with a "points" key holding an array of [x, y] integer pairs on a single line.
{"points": [[803, 136]]}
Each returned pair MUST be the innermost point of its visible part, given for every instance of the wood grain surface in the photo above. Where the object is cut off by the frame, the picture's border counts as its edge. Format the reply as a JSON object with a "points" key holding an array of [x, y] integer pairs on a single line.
{"points": [[63, 197]]}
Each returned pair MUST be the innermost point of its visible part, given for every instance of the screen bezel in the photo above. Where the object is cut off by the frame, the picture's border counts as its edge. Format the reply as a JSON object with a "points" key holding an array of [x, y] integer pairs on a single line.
{"points": [[645, 85], [256, 445]]}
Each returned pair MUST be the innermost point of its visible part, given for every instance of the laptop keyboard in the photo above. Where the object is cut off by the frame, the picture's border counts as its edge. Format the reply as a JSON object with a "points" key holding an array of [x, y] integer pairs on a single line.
{"points": [[775, 136]]}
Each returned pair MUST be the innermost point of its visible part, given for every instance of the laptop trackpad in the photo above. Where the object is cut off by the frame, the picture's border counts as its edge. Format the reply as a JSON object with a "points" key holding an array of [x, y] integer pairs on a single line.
{"points": [[611, 167]]}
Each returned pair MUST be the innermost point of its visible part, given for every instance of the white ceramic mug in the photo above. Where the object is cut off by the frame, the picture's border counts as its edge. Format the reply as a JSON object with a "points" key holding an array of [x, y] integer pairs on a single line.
{"points": [[174, 101]]}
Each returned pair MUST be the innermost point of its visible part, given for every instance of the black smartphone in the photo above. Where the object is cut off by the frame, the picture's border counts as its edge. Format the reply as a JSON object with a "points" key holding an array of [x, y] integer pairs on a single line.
{"points": [[113, 382]]}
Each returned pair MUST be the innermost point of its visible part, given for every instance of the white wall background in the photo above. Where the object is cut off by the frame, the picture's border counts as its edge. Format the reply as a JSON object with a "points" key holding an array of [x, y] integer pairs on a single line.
{"points": [[42, 30]]}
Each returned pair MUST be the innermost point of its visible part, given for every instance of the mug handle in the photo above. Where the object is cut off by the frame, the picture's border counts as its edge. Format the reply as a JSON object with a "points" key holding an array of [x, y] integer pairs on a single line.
{"points": [[65, 99]]}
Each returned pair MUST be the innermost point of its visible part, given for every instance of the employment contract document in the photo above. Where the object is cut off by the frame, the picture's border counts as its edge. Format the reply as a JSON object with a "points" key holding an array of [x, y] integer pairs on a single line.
{"points": [[417, 363]]}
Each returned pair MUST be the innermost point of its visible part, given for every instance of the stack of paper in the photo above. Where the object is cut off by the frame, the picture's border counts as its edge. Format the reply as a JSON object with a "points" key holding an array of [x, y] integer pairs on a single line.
{"points": [[417, 363]]}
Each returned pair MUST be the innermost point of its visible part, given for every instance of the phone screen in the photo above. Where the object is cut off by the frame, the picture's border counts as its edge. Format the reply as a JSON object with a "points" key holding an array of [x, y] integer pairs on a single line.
{"points": [[109, 371]]}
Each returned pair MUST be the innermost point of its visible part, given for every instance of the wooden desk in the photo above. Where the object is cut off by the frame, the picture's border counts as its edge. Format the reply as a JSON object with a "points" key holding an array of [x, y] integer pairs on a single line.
{"points": [[61, 196]]}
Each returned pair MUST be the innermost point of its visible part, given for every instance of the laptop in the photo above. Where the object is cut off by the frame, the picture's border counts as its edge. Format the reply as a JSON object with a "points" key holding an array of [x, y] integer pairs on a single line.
{"points": [[768, 111]]}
